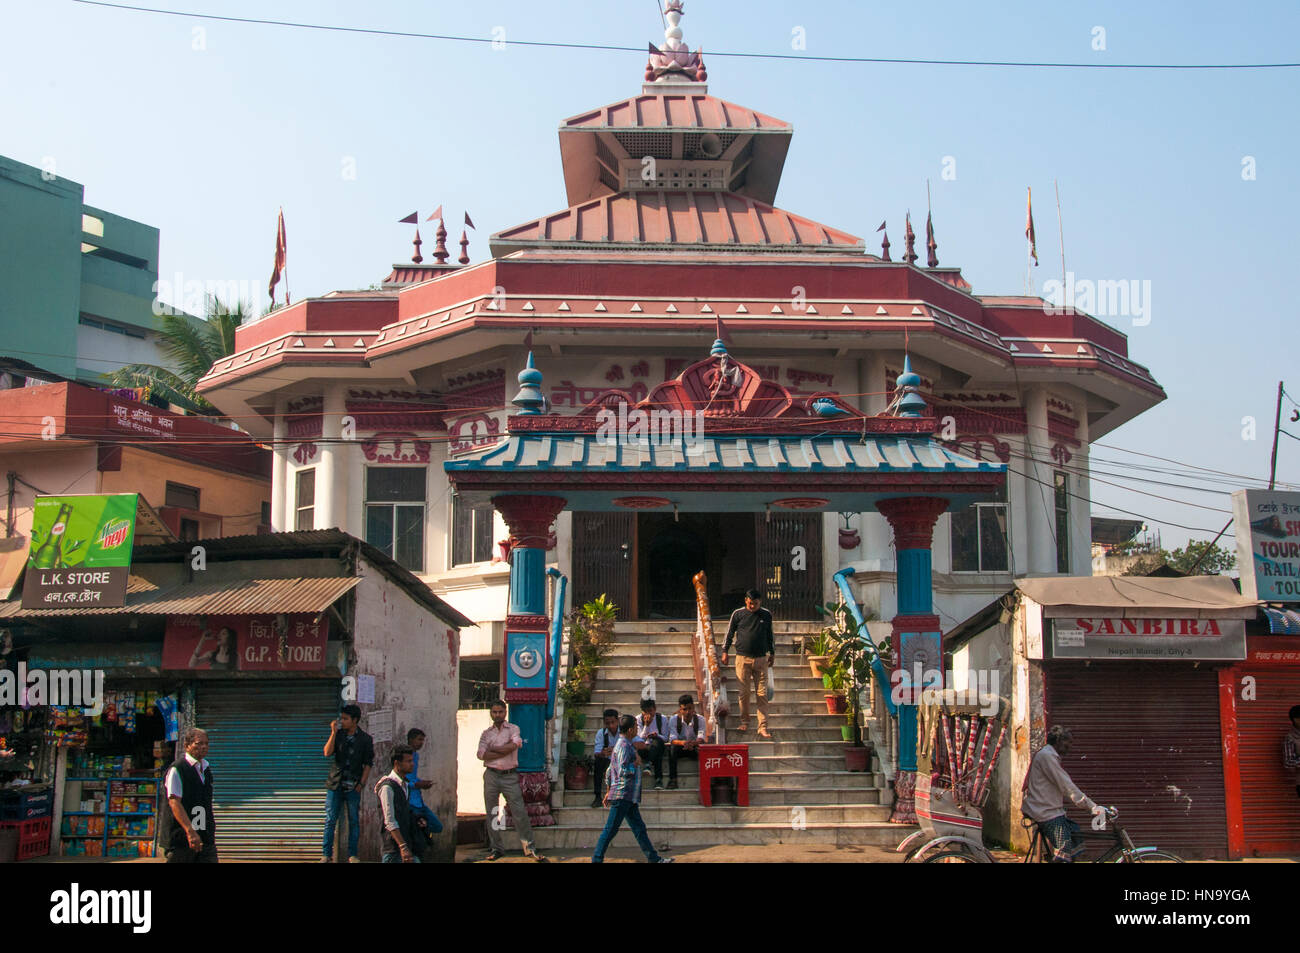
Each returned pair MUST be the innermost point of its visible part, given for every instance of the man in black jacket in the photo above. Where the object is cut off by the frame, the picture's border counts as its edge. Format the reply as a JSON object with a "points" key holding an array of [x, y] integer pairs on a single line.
{"points": [[400, 841], [186, 833], [353, 752], [751, 628]]}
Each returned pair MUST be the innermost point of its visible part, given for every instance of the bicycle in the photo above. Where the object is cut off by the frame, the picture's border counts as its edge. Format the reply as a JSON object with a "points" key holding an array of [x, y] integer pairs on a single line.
{"points": [[1122, 850]]}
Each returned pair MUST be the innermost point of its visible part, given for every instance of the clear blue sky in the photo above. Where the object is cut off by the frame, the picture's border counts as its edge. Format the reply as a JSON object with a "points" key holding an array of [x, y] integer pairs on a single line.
{"points": [[207, 143]]}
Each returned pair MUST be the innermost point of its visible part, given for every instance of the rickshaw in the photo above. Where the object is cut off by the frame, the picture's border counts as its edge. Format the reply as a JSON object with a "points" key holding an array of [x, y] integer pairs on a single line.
{"points": [[954, 771]]}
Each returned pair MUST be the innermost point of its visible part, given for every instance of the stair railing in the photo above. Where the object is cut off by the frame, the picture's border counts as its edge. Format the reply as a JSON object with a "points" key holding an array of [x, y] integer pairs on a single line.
{"points": [[877, 666], [559, 669], [710, 681]]}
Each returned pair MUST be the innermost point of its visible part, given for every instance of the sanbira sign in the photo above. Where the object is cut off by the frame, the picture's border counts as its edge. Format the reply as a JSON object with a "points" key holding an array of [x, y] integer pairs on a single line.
{"points": [[1148, 638]]}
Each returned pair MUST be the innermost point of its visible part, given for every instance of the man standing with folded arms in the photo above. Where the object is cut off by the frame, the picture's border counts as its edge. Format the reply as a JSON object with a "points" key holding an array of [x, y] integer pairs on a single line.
{"points": [[751, 628], [498, 749]]}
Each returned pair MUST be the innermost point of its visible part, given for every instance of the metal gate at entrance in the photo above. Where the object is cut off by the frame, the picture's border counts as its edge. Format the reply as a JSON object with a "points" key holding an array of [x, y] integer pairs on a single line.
{"points": [[268, 799], [789, 554]]}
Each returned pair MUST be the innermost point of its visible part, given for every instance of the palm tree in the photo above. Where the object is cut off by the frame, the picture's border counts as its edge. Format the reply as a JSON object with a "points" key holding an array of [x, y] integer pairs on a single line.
{"points": [[192, 350]]}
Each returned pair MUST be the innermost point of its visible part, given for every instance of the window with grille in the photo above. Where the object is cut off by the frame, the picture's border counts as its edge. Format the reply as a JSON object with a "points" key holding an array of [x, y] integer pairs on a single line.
{"points": [[305, 507], [1061, 486], [395, 499], [979, 538], [471, 532]]}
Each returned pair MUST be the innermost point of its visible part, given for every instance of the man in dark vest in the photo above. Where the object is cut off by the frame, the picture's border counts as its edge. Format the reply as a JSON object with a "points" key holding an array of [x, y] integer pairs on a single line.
{"points": [[186, 832], [400, 841]]}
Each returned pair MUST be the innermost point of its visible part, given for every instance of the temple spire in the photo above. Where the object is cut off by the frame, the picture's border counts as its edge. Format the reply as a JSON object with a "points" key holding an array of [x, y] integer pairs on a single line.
{"points": [[909, 242], [417, 257], [530, 399], [910, 402], [674, 62]]}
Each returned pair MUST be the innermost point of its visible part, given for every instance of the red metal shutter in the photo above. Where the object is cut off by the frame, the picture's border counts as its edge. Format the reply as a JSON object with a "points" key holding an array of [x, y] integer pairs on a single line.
{"points": [[1270, 808], [1147, 740]]}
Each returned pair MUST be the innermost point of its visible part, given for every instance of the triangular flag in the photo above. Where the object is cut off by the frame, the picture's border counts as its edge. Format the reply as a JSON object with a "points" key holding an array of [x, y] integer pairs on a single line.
{"points": [[469, 221], [411, 219], [437, 213], [881, 228]]}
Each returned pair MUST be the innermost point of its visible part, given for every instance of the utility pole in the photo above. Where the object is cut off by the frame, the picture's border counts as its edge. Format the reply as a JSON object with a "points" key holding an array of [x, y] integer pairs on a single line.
{"points": [[1277, 427]]}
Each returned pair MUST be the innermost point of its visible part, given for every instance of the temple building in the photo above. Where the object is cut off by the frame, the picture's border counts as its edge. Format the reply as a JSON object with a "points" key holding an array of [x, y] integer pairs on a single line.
{"points": [[788, 351]]}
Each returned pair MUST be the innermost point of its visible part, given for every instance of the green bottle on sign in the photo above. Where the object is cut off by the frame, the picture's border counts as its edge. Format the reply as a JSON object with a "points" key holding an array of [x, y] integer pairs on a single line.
{"points": [[50, 553]]}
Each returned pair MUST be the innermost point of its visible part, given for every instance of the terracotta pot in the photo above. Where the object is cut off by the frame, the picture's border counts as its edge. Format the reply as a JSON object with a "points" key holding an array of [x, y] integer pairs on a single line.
{"points": [[817, 664], [837, 704], [857, 759], [576, 777]]}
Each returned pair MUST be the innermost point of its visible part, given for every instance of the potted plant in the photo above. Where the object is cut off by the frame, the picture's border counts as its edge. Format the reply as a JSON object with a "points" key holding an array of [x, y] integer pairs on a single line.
{"points": [[577, 772], [846, 729], [853, 654], [820, 654], [836, 703]]}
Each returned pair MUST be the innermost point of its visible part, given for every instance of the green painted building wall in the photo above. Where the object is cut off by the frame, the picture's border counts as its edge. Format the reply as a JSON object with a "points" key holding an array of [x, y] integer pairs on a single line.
{"points": [[76, 282]]}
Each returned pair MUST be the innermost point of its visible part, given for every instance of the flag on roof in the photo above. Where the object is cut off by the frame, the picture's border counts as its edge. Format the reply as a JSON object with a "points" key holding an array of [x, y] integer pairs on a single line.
{"points": [[1029, 229]]}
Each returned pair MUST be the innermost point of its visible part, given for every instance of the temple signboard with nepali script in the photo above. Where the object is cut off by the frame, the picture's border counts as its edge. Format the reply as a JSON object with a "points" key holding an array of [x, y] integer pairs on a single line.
{"points": [[80, 552]]}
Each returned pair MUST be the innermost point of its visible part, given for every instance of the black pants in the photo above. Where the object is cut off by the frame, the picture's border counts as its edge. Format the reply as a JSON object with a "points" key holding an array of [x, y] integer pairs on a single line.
{"points": [[186, 855], [653, 753], [678, 751], [598, 775]]}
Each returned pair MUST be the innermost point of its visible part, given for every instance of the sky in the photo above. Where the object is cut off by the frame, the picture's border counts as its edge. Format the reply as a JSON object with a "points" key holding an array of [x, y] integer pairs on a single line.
{"points": [[1182, 182]]}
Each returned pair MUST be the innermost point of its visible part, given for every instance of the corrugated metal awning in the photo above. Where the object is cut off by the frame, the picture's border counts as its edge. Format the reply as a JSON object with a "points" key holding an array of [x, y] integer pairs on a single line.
{"points": [[246, 597]]}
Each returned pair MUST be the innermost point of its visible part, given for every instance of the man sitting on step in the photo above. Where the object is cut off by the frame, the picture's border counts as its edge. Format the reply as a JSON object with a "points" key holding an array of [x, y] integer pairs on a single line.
{"points": [[685, 735], [651, 738], [606, 739]]}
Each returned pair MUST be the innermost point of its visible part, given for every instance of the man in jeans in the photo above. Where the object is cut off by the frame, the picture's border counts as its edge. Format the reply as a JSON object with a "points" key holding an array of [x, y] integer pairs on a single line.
{"points": [[353, 752], [751, 627], [498, 749], [1046, 787], [421, 811], [624, 797]]}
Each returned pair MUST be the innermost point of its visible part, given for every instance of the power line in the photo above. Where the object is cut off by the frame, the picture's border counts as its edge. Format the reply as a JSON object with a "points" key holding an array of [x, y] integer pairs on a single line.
{"points": [[603, 47]]}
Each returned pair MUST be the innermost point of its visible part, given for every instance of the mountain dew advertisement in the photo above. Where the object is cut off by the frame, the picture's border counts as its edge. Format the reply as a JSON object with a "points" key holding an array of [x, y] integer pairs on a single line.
{"points": [[80, 551]]}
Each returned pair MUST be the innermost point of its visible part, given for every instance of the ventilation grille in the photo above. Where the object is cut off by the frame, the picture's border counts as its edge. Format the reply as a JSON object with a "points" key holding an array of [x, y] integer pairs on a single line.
{"points": [[675, 175], [638, 144]]}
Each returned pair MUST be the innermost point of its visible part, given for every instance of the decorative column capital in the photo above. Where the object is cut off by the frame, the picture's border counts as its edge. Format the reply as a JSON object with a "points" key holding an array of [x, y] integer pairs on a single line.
{"points": [[912, 519], [529, 518]]}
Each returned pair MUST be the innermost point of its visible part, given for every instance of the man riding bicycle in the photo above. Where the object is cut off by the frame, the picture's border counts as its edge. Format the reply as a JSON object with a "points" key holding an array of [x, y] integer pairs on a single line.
{"points": [[1046, 786]]}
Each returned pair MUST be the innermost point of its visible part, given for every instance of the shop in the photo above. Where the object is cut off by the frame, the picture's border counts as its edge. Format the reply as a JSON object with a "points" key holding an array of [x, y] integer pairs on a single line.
{"points": [[1263, 804], [260, 651], [1133, 666]]}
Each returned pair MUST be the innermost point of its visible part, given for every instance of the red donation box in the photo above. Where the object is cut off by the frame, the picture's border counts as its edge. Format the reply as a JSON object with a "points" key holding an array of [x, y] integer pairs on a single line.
{"points": [[724, 761]]}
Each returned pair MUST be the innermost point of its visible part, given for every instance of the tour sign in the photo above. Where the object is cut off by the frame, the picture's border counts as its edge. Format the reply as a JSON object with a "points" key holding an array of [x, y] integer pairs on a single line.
{"points": [[80, 551], [1267, 524]]}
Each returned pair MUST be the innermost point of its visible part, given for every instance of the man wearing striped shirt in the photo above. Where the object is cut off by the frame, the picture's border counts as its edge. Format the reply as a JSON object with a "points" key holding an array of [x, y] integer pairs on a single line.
{"points": [[624, 797]]}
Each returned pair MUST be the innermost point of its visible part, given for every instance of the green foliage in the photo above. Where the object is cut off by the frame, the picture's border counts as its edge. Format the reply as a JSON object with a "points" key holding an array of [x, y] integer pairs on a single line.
{"points": [[1216, 559], [591, 631], [192, 351], [852, 654]]}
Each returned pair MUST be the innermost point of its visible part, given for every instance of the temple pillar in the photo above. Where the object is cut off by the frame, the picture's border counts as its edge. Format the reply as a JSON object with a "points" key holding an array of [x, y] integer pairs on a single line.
{"points": [[329, 500], [917, 633], [280, 503], [525, 667]]}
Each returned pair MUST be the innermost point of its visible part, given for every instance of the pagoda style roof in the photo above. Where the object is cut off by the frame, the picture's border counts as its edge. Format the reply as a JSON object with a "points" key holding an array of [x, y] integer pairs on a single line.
{"points": [[674, 219], [686, 132]]}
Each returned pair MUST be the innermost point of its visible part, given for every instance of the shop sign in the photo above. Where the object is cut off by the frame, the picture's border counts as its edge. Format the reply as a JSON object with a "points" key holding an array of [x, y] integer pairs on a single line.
{"points": [[80, 551], [1153, 638], [278, 643], [1267, 525]]}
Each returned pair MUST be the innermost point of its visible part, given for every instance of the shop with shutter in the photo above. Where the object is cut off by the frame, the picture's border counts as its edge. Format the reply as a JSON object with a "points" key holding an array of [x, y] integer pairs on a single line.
{"points": [[1133, 667], [1263, 804], [259, 648]]}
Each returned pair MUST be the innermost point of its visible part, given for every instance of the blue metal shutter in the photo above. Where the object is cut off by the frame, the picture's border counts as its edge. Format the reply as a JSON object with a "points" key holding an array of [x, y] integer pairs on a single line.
{"points": [[266, 739]]}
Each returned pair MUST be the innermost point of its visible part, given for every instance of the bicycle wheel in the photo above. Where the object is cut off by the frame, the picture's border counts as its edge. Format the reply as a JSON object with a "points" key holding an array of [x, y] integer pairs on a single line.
{"points": [[952, 857], [1157, 857]]}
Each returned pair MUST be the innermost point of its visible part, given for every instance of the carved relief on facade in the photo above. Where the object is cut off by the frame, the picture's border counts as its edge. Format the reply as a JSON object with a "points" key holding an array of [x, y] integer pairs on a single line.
{"points": [[395, 448], [471, 432]]}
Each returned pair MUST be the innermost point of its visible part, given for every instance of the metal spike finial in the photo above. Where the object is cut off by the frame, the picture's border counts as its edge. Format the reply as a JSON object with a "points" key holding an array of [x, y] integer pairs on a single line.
{"points": [[464, 248], [440, 249], [909, 242], [417, 257], [530, 399]]}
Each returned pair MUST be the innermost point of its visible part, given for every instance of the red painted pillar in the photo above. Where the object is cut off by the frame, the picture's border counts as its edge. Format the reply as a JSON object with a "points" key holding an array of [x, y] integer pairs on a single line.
{"points": [[1229, 678]]}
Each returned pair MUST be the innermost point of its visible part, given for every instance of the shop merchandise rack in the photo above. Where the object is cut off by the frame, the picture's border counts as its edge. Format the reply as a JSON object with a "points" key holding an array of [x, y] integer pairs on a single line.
{"points": [[127, 828]]}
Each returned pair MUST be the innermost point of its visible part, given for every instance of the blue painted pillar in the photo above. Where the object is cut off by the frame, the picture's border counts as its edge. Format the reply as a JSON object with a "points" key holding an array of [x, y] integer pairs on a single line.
{"points": [[917, 635]]}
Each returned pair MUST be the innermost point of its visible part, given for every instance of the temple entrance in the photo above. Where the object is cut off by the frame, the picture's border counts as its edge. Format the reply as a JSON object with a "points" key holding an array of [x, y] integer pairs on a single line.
{"points": [[672, 550]]}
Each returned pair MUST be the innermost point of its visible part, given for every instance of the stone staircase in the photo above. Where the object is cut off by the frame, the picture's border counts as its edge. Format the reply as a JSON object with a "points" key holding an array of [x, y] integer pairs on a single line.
{"points": [[801, 768]]}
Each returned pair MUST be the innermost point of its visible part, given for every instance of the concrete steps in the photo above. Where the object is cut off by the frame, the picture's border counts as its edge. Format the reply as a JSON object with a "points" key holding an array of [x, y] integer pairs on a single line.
{"points": [[799, 790]]}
